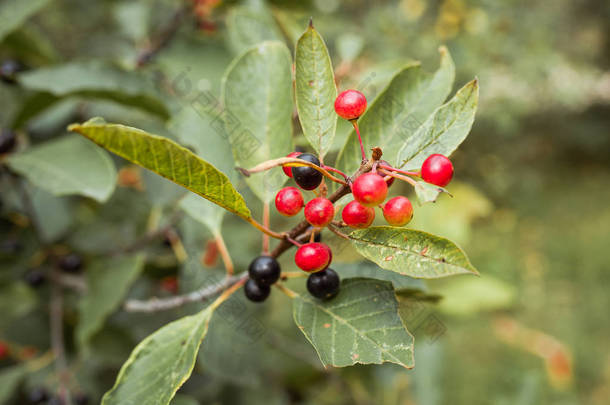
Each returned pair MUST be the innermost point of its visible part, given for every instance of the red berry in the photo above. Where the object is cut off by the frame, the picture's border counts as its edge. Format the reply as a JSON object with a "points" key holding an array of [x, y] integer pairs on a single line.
{"points": [[319, 212], [287, 169], [312, 257], [370, 189], [350, 104], [289, 201], [357, 215], [4, 350], [437, 170], [398, 211]]}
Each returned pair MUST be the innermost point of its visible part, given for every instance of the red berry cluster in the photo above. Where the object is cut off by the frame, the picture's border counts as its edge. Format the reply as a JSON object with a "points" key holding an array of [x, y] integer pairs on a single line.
{"points": [[369, 189]]}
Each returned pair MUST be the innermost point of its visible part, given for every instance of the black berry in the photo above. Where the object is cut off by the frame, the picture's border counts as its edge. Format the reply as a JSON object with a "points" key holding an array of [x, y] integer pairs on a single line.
{"points": [[255, 292], [323, 284], [306, 177], [8, 140], [265, 270], [38, 395], [71, 263], [35, 278]]}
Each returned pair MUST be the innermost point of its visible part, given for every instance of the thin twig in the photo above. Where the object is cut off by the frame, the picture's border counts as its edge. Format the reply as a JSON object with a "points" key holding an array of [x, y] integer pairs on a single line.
{"points": [[288, 162], [144, 240], [224, 254], [337, 232], [266, 224], [400, 177]]}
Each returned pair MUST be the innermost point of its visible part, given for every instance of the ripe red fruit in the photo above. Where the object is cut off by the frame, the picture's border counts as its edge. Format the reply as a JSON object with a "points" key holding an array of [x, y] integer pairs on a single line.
{"points": [[312, 257], [370, 189], [319, 212], [357, 215], [398, 211], [437, 170], [350, 104], [287, 169], [289, 201]]}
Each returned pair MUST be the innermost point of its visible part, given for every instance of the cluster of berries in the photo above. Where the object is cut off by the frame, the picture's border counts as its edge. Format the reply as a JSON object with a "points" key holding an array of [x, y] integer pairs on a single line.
{"points": [[369, 190]]}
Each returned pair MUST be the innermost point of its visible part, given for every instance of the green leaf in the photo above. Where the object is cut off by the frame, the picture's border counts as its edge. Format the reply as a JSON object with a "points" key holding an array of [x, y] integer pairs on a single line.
{"points": [[181, 399], [167, 159], [413, 253], [13, 13], [257, 96], [203, 212], [406, 102], [468, 296], [97, 80], [9, 380], [249, 25], [315, 91], [69, 165], [161, 363], [428, 192], [360, 325], [107, 284], [16, 301], [444, 130]]}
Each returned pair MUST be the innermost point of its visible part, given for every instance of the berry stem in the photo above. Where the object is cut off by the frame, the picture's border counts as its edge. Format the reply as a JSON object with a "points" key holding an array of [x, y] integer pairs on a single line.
{"points": [[286, 290], [292, 274], [337, 232], [224, 254], [393, 169], [264, 229], [400, 177], [227, 293], [294, 242], [289, 162], [266, 225], [355, 124], [332, 169]]}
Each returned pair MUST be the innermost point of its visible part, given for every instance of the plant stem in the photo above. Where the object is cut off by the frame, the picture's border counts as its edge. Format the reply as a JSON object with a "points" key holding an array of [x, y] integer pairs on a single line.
{"points": [[264, 229], [57, 337], [288, 162], [224, 254], [332, 169], [393, 169], [266, 225], [355, 124], [400, 177], [285, 290]]}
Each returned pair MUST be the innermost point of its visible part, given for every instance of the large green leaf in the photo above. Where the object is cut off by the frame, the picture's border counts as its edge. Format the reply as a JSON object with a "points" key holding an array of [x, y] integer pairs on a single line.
{"points": [[249, 25], [406, 102], [167, 159], [315, 91], [257, 96], [413, 253], [108, 282], [69, 165], [360, 325], [444, 130], [161, 363], [14, 12], [100, 80]]}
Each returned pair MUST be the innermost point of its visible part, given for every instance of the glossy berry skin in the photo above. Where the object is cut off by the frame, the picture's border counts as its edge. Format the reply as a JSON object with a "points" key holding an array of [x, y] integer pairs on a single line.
{"points": [[370, 189], [356, 215], [287, 169], [8, 141], [306, 177], [312, 257], [437, 170], [265, 270], [323, 284], [319, 211], [398, 211], [390, 181], [289, 201], [71, 263], [255, 292], [350, 104]]}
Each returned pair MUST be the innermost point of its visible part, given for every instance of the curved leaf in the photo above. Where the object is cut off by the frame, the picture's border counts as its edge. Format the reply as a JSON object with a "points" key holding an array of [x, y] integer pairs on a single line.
{"points": [[406, 102], [69, 165], [315, 91], [444, 130], [412, 253], [257, 96], [167, 159], [360, 325], [161, 363]]}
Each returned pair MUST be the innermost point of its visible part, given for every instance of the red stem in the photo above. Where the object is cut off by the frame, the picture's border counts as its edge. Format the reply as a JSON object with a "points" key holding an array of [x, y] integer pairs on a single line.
{"points": [[332, 169], [355, 124], [386, 167]]}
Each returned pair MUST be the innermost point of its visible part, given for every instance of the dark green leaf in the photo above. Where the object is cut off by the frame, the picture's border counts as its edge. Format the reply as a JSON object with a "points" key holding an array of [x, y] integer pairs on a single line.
{"points": [[360, 325], [315, 91], [413, 253], [167, 159]]}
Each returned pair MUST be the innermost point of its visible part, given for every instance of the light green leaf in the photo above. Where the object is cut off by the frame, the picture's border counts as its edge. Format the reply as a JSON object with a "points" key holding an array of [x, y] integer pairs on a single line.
{"points": [[99, 80], [13, 13], [360, 325], [69, 165], [257, 96], [204, 212], [107, 284], [9, 380], [315, 91], [161, 363], [413, 253], [444, 130], [394, 116], [428, 192], [167, 159], [249, 25]]}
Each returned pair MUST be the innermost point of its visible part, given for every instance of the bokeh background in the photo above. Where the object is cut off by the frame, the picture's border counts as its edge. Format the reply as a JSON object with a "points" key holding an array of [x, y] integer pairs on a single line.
{"points": [[530, 199]]}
